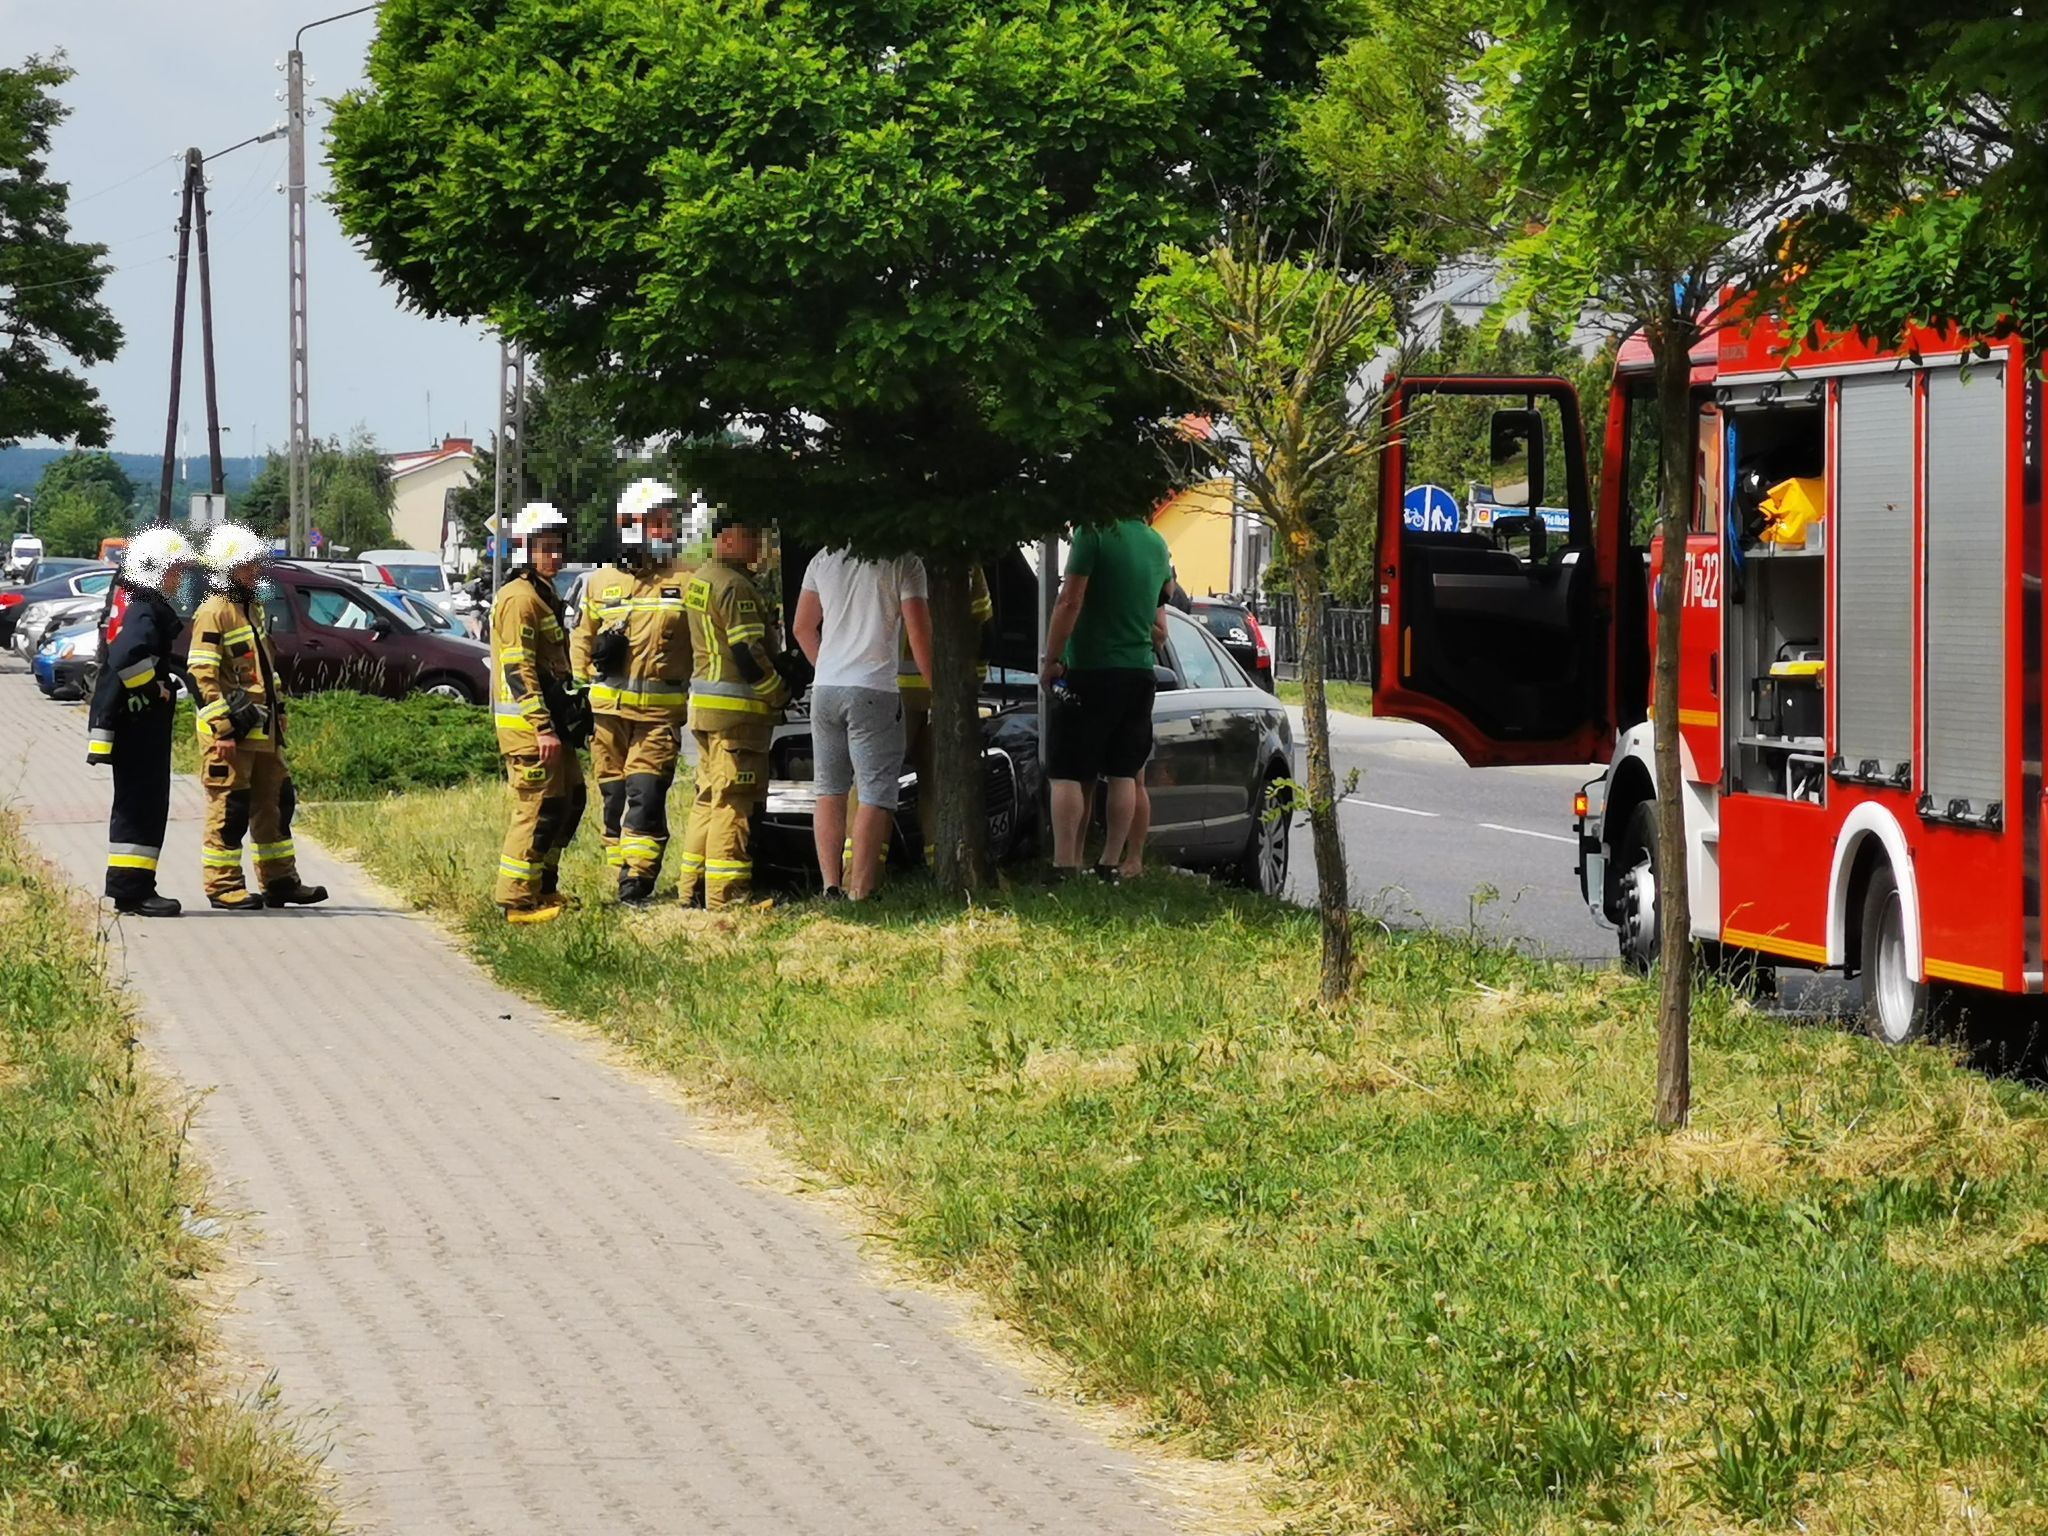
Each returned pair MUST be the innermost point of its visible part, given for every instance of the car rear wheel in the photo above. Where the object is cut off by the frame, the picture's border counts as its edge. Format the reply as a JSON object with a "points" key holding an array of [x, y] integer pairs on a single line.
{"points": [[443, 686], [1262, 867]]}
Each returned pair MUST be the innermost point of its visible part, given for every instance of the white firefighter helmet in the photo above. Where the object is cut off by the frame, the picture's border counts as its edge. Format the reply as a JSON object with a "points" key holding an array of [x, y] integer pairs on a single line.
{"points": [[535, 518], [151, 554], [635, 502], [231, 545]]}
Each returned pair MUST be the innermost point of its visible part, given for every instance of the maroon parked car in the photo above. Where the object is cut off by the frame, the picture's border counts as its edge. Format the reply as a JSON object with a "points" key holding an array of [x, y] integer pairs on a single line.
{"points": [[330, 634]]}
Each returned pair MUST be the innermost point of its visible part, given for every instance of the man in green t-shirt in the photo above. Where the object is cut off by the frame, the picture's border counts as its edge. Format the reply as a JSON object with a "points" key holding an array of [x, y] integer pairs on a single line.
{"points": [[1100, 646]]}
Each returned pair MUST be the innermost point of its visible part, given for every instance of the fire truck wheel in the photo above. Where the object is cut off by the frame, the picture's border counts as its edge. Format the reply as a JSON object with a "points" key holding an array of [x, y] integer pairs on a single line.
{"points": [[1896, 1008], [1637, 858]]}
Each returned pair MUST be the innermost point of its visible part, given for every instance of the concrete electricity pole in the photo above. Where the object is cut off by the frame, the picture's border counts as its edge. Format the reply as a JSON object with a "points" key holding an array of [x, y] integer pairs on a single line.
{"points": [[301, 445], [509, 480]]}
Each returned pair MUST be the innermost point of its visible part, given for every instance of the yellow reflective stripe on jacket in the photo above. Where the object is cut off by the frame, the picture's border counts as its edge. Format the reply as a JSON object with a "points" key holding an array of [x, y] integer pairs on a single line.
{"points": [[642, 693], [735, 705], [138, 674], [515, 653], [241, 632], [741, 633], [201, 657]]}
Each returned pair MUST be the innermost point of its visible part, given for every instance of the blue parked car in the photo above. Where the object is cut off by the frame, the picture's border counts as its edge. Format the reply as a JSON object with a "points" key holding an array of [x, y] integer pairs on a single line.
{"points": [[65, 663]]}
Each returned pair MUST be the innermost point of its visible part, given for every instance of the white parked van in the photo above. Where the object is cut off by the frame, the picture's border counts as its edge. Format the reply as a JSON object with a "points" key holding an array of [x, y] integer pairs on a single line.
{"points": [[24, 552], [420, 571]]}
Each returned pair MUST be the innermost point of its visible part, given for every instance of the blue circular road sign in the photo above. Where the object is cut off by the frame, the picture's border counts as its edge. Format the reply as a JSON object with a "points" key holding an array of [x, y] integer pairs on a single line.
{"points": [[1429, 509]]}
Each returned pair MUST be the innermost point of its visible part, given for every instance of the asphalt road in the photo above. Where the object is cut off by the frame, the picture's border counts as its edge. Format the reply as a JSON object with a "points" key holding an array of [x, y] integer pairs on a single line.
{"points": [[1430, 841]]}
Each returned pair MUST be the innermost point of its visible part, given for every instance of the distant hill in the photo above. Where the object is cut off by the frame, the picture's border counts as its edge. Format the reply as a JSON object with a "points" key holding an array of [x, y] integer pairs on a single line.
{"points": [[21, 468]]}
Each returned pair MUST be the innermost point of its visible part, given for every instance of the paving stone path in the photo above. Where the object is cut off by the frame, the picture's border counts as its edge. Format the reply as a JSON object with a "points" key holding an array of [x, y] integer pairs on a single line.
{"points": [[523, 1297]]}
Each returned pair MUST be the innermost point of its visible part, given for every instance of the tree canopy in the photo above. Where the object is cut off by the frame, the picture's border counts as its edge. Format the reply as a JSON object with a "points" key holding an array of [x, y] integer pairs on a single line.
{"points": [[1932, 125], [49, 283], [898, 243], [77, 470], [349, 494]]}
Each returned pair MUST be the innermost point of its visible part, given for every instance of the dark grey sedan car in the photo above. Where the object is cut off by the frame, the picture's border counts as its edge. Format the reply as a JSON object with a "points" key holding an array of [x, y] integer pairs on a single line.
{"points": [[1222, 755]]}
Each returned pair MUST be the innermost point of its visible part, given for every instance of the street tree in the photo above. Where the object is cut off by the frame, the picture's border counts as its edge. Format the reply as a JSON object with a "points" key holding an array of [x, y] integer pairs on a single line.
{"points": [[72, 521], [1275, 345], [894, 248], [1649, 185], [50, 284], [349, 493], [1933, 122], [80, 470]]}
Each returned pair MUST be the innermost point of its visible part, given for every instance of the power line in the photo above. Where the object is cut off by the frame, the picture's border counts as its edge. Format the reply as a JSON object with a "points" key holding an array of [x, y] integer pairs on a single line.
{"points": [[153, 165]]}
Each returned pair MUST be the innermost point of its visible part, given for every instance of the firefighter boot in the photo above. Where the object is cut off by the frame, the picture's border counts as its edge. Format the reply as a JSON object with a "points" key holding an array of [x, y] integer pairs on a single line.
{"points": [[236, 901], [152, 905], [543, 912], [635, 890], [293, 893]]}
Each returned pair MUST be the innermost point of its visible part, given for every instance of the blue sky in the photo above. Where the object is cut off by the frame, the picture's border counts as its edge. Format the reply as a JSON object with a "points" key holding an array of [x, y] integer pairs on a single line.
{"points": [[157, 75]]}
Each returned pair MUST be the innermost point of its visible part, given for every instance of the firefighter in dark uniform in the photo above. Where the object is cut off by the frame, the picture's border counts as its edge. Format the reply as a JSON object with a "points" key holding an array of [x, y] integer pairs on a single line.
{"points": [[632, 647], [134, 711], [241, 729], [738, 687], [530, 695]]}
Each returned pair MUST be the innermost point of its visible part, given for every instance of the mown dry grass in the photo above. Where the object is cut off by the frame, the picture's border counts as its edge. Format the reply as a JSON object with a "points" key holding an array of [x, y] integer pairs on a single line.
{"points": [[1427, 1258], [112, 1418]]}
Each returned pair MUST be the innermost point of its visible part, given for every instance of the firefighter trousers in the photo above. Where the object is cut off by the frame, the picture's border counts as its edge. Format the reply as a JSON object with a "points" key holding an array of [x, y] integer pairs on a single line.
{"points": [[732, 784], [547, 807], [142, 802], [636, 766], [250, 795]]}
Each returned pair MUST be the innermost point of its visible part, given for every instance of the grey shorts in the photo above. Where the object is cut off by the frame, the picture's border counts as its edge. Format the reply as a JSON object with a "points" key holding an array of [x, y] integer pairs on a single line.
{"points": [[857, 737]]}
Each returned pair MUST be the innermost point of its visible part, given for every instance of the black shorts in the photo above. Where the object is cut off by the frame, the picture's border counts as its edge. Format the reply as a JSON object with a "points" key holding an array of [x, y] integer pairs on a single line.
{"points": [[1102, 728]]}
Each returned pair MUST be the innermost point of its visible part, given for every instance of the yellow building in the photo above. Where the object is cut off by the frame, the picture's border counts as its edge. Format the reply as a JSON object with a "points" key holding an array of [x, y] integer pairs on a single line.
{"points": [[421, 484], [1215, 547]]}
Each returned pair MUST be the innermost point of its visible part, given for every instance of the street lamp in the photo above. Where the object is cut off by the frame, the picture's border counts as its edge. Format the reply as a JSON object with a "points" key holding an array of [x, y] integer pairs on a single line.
{"points": [[301, 444]]}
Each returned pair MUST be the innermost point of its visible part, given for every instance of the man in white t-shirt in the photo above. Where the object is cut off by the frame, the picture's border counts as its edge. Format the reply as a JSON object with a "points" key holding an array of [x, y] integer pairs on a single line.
{"points": [[850, 619]]}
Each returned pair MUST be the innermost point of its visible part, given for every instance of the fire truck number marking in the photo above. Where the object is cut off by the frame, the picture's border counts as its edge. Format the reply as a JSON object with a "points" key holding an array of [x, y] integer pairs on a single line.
{"points": [[1703, 579]]}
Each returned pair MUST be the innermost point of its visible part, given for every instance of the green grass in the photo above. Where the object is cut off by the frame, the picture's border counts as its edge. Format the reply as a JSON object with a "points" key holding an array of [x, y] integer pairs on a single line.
{"points": [[1347, 698], [1425, 1258], [110, 1421], [351, 746]]}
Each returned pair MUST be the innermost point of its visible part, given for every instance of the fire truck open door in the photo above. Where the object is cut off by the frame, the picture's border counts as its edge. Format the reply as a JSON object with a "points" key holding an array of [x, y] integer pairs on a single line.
{"points": [[1495, 632]]}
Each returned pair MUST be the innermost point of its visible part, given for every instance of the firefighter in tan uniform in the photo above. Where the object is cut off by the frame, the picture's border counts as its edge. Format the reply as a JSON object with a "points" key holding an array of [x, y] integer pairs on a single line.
{"points": [[241, 727], [632, 644], [738, 689], [531, 703]]}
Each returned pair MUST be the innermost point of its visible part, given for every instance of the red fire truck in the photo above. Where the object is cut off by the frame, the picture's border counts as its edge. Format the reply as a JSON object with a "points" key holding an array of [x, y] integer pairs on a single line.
{"points": [[1859, 706]]}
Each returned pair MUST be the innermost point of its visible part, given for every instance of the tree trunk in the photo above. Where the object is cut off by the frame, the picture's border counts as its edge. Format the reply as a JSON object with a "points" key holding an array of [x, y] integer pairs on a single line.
{"points": [[1671, 342], [1333, 887], [960, 824]]}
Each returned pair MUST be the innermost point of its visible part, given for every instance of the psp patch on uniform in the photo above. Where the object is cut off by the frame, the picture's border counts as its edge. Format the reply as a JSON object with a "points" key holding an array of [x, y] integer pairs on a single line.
{"points": [[697, 596], [746, 605], [526, 631]]}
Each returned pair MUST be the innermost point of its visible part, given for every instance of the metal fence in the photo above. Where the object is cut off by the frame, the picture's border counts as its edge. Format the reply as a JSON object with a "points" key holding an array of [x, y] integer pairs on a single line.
{"points": [[1347, 639]]}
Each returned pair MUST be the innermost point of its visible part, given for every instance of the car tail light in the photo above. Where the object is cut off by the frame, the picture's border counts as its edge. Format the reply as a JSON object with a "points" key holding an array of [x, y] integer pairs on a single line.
{"points": [[1258, 636], [1580, 805], [11, 599]]}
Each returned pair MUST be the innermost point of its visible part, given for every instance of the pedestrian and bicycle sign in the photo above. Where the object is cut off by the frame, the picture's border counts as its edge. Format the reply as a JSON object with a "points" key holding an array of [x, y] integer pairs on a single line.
{"points": [[1429, 509]]}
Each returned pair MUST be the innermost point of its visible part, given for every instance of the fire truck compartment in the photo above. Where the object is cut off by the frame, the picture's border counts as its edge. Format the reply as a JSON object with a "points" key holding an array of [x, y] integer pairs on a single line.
{"points": [[1776, 613]]}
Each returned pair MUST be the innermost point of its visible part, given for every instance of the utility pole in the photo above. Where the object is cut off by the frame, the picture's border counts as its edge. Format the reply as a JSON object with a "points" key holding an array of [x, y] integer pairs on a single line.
{"points": [[193, 172], [509, 480], [216, 483], [301, 442]]}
